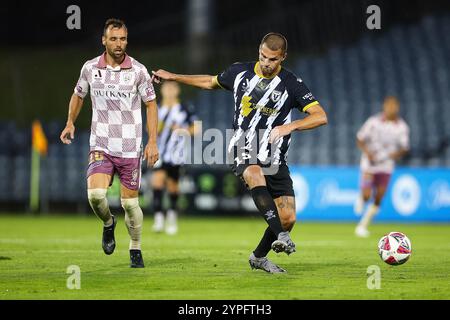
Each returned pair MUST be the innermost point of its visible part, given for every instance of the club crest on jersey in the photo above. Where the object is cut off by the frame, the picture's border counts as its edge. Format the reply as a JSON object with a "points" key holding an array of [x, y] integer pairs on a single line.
{"points": [[127, 77], [275, 96]]}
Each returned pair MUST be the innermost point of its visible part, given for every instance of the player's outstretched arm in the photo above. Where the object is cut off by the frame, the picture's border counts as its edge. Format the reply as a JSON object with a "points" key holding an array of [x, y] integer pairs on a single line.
{"points": [[316, 117], [201, 81], [75, 104]]}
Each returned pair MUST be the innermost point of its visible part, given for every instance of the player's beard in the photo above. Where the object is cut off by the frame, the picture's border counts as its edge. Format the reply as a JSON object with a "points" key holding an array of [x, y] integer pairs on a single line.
{"points": [[117, 55], [267, 72]]}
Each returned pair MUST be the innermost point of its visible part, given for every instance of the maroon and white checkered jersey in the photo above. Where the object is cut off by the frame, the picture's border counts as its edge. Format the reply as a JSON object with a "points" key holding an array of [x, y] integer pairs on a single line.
{"points": [[116, 95], [382, 138]]}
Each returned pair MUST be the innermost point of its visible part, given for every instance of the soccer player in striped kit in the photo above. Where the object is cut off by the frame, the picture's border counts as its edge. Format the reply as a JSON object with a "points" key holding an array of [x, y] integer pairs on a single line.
{"points": [[176, 124], [117, 84], [383, 139], [264, 95]]}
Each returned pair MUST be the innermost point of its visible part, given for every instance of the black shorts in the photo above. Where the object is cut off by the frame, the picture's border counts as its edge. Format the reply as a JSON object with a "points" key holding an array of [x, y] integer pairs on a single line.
{"points": [[279, 184], [173, 171]]}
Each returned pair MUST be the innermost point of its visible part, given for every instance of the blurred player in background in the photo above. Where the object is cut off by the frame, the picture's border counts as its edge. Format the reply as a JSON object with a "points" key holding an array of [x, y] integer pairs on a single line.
{"points": [[383, 139], [175, 120], [117, 85], [264, 95]]}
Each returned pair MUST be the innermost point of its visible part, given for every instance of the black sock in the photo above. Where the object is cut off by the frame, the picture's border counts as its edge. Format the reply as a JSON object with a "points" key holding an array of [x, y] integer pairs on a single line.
{"points": [[267, 208], [265, 245], [157, 200], [173, 200]]}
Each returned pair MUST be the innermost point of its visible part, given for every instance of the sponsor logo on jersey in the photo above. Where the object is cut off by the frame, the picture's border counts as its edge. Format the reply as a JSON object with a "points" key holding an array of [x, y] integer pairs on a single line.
{"points": [[111, 94], [262, 85], [308, 96], [247, 106], [98, 75], [150, 91]]}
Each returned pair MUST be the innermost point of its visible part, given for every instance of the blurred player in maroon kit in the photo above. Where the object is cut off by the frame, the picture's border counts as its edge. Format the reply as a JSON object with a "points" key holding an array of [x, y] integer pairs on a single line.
{"points": [[383, 139]]}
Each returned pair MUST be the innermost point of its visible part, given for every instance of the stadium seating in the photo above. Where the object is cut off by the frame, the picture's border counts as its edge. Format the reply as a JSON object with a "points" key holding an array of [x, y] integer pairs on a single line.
{"points": [[411, 62]]}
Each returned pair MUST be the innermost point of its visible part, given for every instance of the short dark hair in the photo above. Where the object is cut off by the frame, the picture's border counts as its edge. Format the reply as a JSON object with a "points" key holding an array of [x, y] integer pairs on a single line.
{"points": [[115, 23], [275, 41], [392, 98]]}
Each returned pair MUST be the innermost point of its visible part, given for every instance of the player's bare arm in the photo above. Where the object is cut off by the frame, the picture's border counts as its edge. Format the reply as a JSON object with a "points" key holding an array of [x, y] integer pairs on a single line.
{"points": [[398, 154], [316, 117], [362, 146], [201, 81], [75, 105], [192, 129], [151, 153]]}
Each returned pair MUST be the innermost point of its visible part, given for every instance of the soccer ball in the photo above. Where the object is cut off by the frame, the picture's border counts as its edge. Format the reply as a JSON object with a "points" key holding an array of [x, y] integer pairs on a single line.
{"points": [[394, 248]]}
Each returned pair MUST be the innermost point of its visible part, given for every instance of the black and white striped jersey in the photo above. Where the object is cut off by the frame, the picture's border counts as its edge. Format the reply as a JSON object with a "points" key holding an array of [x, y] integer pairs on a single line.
{"points": [[171, 145], [261, 104]]}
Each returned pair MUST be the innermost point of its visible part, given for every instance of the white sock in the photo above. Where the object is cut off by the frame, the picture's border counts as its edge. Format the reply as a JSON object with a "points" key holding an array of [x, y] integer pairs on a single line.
{"points": [[171, 216], [359, 205], [159, 215], [133, 220], [99, 204], [371, 211]]}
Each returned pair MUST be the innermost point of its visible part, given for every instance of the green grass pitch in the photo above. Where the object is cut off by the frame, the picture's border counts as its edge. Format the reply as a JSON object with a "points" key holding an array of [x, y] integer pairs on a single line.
{"points": [[208, 260]]}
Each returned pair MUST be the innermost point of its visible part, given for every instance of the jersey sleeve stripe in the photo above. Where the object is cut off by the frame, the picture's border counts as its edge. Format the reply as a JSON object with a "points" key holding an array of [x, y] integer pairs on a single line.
{"points": [[309, 105], [216, 81]]}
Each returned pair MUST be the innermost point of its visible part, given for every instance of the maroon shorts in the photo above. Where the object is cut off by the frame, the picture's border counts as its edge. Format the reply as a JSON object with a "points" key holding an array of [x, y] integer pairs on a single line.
{"points": [[128, 169], [376, 180]]}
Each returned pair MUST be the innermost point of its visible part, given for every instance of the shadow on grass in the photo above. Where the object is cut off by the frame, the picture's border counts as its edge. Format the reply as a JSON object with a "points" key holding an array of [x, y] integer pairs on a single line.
{"points": [[305, 266]]}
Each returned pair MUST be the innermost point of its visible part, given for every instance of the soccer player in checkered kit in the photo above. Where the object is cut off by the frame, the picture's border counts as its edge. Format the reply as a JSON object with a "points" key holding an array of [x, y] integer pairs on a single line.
{"points": [[117, 84], [383, 140]]}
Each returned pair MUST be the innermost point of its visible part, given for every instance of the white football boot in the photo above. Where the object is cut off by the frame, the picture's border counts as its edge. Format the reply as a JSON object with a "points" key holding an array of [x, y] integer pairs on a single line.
{"points": [[362, 232]]}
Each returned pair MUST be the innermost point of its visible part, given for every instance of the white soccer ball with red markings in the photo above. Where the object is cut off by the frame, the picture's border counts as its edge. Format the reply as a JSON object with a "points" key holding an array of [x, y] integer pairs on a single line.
{"points": [[394, 248]]}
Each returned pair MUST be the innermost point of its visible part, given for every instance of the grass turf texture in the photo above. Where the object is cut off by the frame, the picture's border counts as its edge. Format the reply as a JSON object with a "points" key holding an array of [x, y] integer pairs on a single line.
{"points": [[208, 260]]}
